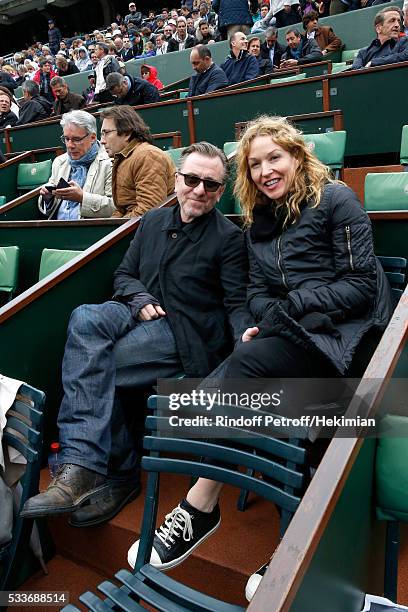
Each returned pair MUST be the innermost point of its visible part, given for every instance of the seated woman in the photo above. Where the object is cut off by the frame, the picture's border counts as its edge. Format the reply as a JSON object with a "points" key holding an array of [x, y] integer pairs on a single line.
{"points": [[82, 176], [316, 289]]}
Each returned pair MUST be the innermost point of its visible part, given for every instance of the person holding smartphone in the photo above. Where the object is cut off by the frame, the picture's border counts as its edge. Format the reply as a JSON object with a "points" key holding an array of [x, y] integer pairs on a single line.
{"points": [[80, 185]]}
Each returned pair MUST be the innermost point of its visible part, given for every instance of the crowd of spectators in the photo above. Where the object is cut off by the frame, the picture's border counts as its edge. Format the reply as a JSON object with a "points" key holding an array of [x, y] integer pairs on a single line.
{"points": [[40, 69]]}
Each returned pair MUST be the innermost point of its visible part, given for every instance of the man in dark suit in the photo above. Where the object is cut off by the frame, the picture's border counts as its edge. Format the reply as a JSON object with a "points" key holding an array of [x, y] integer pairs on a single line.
{"points": [[271, 49]]}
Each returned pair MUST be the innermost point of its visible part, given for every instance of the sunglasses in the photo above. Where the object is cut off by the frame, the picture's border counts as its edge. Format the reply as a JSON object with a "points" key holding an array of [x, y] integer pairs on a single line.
{"points": [[193, 181]]}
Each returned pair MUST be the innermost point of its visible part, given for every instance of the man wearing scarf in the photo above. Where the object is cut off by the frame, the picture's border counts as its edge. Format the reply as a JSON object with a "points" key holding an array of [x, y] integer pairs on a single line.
{"points": [[86, 167], [300, 50], [180, 39]]}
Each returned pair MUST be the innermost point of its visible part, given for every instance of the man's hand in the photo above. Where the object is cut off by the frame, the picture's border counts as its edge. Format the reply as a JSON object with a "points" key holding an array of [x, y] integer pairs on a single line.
{"points": [[73, 193], [249, 334], [325, 52], [288, 63], [45, 192], [150, 312]]}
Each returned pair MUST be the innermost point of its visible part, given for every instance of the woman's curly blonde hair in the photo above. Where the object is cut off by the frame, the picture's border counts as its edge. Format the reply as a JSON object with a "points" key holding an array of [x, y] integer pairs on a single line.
{"points": [[309, 178]]}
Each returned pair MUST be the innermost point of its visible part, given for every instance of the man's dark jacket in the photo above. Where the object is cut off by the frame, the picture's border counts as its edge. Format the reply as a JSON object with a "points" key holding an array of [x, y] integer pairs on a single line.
{"points": [[311, 52], [279, 51], [8, 119], [33, 110], [54, 39], [174, 45], [135, 19], [390, 52], [140, 92], [71, 69], [234, 12], [72, 101], [243, 68], [205, 82], [198, 273], [6, 80]]}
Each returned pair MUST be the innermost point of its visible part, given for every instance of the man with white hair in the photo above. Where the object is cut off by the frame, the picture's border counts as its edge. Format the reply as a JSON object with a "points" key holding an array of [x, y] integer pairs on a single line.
{"points": [[86, 167]]}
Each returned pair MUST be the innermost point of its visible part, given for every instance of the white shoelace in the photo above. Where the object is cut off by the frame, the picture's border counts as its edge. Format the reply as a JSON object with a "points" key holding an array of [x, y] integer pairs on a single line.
{"points": [[177, 519]]}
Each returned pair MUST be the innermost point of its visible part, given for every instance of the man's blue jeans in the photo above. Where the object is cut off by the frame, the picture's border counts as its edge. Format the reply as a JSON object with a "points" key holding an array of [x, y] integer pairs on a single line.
{"points": [[107, 349]]}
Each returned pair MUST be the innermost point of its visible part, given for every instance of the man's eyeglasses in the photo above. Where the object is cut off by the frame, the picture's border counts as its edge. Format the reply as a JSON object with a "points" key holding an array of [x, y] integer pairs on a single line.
{"points": [[106, 132], [74, 140], [193, 181]]}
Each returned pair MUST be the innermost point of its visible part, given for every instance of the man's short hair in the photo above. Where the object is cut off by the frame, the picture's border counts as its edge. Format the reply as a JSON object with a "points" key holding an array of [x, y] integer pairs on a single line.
{"points": [[103, 46], [203, 22], [265, 5], [114, 79], [81, 119], [309, 17], [128, 121], [203, 51], [207, 150], [380, 17], [271, 31], [31, 88], [58, 81], [294, 31]]}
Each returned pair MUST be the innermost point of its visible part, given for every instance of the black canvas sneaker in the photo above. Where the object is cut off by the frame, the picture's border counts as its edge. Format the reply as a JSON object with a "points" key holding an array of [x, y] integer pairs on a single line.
{"points": [[182, 531], [254, 580]]}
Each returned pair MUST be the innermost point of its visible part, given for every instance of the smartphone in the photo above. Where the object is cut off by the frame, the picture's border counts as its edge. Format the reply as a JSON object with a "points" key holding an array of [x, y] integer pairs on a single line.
{"points": [[50, 188], [62, 184]]}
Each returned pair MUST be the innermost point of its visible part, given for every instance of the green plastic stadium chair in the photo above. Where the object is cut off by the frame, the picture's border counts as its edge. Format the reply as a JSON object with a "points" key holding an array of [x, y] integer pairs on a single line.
{"points": [[328, 147], [349, 54], [230, 147], [386, 191], [31, 176], [295, 77], [183, 95], [175, 154], [52, 259], [339, 67], [9, 256], [404, 146], [2, 200], [391, 475]]}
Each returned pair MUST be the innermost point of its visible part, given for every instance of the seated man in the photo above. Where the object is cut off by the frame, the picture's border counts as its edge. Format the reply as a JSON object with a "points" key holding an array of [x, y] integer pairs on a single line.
{"points": [[388, 47], [254, 48], [7, 117], [65, 100], [131, 91], [181, 39], [86, 167], [323, 35], [265, 21], [271, 49], [143, 175], [240, 65], [34, 107], [300, 50], [179, 304], [209, 76]]}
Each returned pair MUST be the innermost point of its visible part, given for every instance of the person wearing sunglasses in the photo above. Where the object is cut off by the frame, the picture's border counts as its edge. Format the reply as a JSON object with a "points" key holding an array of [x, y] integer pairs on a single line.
{"points": [[80, 185], [178, 306]]}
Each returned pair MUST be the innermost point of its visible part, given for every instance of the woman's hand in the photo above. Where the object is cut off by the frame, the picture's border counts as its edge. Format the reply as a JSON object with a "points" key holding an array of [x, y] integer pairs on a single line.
{"points": [[249, 334]]}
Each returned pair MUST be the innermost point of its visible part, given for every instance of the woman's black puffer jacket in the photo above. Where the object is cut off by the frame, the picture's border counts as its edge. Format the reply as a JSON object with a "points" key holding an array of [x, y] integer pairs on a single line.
{"points": [[323, 263]]}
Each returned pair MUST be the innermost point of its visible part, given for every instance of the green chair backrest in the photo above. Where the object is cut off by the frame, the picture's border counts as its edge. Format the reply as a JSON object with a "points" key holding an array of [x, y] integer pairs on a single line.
{"points": [[349, 54], [386, 191], [339, 67], [33, 175], [391, 469], [52, 259], [404, 146], [9, 268], [2, 200], [230, 147], [295, 77], [328, 147], [175, 154]]}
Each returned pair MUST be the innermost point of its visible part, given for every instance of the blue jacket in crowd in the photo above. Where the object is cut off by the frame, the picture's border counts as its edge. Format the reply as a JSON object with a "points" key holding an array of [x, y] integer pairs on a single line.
{"points": [[390, 52], [241, 68], [205, 82], [233, 12]]}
